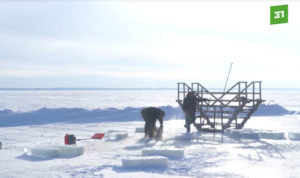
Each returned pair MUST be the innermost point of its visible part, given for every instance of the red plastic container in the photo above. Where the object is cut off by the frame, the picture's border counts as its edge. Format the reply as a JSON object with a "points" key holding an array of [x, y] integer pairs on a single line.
{"points": [[67, 139], [70, 139]]}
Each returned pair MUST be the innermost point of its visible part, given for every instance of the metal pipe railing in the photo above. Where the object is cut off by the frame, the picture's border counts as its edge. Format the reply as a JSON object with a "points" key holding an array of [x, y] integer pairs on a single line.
{"points": [[242, 96]]}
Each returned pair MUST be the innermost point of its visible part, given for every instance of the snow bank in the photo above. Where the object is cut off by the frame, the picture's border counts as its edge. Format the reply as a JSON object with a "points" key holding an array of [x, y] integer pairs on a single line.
{"points": [[116, 135], [294, 136], [271, 109], [47, 152], [80, 115], [9, 118], [140, 130], [167, 152], [145, 162]]}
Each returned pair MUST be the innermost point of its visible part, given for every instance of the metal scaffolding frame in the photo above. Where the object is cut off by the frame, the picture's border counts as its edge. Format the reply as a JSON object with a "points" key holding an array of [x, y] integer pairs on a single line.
{"points": [[229, 109]]}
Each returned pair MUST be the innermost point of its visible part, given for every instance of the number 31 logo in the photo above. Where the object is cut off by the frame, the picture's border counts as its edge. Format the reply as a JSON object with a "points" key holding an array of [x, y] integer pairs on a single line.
{"points": [[278, 14]]}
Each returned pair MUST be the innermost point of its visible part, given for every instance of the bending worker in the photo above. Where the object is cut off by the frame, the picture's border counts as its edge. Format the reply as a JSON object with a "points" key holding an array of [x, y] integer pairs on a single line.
{"points": [[150, 115]]}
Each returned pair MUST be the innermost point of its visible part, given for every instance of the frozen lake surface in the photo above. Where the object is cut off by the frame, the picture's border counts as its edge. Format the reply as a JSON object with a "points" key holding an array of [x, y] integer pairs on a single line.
{"points": [[205, 154], [268, 146]]}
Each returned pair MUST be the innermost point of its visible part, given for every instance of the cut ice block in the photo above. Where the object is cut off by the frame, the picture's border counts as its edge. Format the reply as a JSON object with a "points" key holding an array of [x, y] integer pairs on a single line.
{"points": [[227, 132], [272, 135], [116, 135], [294, 136], [140, 129], [240, 134], [70, 151], [167, 152], [47, 152], [145, 161], [42, 152]]}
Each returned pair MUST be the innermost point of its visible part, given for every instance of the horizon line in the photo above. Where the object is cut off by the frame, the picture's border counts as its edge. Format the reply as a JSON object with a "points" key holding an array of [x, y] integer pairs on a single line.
{"points": [[120, 88]]}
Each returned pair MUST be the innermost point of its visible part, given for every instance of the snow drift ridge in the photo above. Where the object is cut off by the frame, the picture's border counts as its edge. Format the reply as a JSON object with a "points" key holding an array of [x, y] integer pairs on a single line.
{"points": [[9, 118]]}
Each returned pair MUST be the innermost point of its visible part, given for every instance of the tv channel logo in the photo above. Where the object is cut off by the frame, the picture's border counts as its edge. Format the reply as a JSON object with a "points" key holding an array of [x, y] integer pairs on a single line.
{"points": [[279, 14]]}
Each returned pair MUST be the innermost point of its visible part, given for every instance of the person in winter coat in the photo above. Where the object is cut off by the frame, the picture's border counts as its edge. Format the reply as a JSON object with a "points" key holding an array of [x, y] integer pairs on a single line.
{"points": [[150, 115], [189, 109]]}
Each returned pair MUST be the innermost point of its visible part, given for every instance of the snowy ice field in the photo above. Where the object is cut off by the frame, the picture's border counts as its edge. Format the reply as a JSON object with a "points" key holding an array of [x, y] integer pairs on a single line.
{"points": [[268, 146]]}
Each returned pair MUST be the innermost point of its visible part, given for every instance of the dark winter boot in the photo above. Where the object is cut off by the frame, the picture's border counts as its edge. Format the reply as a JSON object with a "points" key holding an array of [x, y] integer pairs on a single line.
{"points": [[198, 127], [188, 128]]}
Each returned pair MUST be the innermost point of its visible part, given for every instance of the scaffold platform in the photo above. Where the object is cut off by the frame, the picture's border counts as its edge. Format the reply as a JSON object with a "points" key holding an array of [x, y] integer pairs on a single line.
{"points": [[222, 110]]}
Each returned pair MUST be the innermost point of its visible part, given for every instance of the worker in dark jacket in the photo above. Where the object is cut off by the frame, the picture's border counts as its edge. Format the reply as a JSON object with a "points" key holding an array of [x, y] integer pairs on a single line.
{"points": [[150, 115], [189, 109]]}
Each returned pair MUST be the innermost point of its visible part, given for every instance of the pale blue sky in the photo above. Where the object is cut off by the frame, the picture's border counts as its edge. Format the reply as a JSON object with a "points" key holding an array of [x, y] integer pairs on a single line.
{"points": [[129, 44]]}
